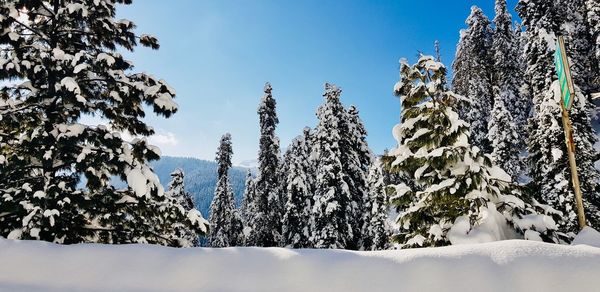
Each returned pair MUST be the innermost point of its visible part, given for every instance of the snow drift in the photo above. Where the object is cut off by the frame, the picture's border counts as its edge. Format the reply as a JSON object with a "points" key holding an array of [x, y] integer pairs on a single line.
{"points": [[514, 265]]}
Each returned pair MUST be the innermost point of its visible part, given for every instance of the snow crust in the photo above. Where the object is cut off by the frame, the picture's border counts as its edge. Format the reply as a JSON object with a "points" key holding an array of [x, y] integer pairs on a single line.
{"points": [[513, 265]]}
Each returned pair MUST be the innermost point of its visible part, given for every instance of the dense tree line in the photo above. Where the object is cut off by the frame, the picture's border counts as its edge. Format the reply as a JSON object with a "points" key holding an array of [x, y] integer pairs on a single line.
{"points": [[318, 194]]}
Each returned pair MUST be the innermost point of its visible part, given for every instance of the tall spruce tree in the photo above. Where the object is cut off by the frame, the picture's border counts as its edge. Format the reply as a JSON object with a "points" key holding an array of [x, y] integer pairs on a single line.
{"points": [[376, 233], [546, 144], [548, 165], [579, 43], [309, 163], [580, 48], [473, 76], [508, 116], [525, 88], [460, 196], [62, 56], [296, 219], [177, 193], [331, 226], [248, 208], [593, 20], [268, 196], [504, 139], [225, 223], [356, 159]]}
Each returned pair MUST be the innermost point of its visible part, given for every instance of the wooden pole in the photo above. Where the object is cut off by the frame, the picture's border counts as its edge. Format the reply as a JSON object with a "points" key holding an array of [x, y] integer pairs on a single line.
{"points": [[572, 163], [569, 134]]}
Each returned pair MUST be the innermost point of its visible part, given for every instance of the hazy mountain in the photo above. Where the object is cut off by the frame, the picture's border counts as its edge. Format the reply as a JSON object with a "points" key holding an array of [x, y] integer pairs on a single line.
{"points": [[200, 178]]}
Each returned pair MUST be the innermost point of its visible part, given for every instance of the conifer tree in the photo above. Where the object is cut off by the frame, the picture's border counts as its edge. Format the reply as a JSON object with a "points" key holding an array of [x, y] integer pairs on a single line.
{"points": [[460, 196], [177, 193], [268, 197], [376, 233], [509, 107], [525, 94], [504, 139], [356, 159], [331, 220], [248, 208], [579, 43], [580, 48], [546, 144], [473, 76], [309, 163], [63, 58], [593, 20], [225, 223], [296, 219]]}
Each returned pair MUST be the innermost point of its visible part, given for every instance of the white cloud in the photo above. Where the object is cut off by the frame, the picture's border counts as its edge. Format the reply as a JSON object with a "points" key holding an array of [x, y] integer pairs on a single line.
{"points": [[164, 139]]}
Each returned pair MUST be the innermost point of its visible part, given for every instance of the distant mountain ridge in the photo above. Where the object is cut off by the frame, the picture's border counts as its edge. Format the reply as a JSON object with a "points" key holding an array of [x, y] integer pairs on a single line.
{"points": [[200, 178]]}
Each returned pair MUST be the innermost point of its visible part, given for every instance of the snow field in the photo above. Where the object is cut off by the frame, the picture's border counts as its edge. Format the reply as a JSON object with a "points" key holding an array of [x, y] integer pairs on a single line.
{"points": [[514, 265]]}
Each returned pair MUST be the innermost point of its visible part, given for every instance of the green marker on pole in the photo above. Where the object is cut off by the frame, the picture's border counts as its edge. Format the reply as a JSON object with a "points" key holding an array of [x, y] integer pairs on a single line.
{"points": [[564, 74]]}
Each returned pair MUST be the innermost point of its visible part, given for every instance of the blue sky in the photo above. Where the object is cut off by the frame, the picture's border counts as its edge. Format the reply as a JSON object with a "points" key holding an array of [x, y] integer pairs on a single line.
{"points": [[218, 55]]}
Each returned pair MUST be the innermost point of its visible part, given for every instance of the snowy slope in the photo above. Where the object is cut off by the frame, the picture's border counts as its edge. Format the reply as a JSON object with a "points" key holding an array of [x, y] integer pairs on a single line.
{"points": [[500, 266]]}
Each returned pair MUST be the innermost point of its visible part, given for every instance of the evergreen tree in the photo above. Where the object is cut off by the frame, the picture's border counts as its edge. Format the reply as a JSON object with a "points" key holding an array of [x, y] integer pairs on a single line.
{"points": [[546, 144], [584, 67], [460, 196], [296, 219], [225, 223], [376, 233], [248, 208], [593, 20], [177, 193], [525, 94], [509, 108], [268, 197], [504, 139], [309, 163], [356, 158], [63, 57], [579, 43], [473, 78], [331, 221], [548, 168]]}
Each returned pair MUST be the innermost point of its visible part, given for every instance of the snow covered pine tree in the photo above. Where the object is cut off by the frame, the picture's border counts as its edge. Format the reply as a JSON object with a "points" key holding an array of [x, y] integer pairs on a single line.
{"points": [[61, 58], [296, 219], [508, 116], [268, 201], [593, 20], [376, 232], [179, 196], [459, 196], [248, 207], [549, 167], [225, 223], [473, 78], [331, 226], [356, 160], [584, 68]]}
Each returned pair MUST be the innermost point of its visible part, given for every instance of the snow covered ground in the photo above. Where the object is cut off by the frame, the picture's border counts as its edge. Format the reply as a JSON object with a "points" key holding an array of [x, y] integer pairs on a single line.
{"points": [[513, 265]]}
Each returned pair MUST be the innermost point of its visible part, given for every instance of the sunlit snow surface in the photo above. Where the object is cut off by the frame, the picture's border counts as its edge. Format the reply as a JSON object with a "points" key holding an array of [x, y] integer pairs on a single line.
{"points": [[513, 265]]}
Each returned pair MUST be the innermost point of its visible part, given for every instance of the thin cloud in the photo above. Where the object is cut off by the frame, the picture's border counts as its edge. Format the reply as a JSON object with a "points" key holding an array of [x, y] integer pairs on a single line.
{"points": [[164, 139]]}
